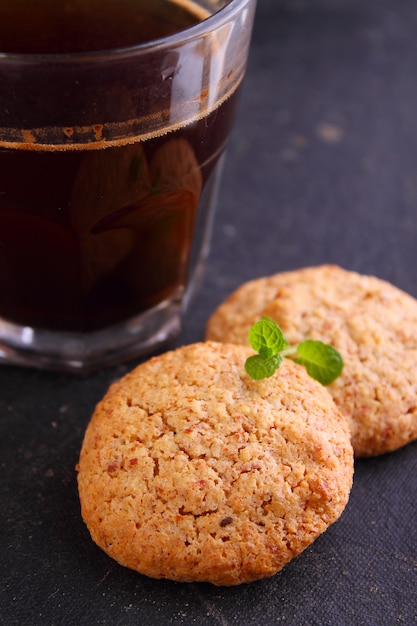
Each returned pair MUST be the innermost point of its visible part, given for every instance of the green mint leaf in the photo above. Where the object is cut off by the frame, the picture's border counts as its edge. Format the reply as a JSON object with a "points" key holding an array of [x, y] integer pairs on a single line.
{"points": [[322, 361], [258, 367], [267, 338]]}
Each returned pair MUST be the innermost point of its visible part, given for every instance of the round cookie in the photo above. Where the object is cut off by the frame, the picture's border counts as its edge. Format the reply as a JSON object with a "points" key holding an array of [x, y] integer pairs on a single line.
{"points": [[192, 471], [373, 325]]}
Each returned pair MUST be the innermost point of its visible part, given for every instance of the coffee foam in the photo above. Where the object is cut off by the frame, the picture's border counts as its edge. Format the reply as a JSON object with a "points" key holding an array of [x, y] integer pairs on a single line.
{"points": [[94, 137]]}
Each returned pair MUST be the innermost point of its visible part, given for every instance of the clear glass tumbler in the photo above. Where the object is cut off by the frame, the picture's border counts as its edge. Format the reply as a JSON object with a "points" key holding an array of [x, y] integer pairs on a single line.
{"points": [[109, 166]]}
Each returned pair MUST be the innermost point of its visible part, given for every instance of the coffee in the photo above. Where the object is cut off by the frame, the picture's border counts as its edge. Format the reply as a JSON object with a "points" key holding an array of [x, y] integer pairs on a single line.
{"points": [[68, 26], [94, 233]]}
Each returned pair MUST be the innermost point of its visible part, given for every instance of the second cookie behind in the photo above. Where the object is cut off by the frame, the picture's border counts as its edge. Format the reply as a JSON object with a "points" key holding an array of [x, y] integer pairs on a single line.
{"points": [[370, 322]]}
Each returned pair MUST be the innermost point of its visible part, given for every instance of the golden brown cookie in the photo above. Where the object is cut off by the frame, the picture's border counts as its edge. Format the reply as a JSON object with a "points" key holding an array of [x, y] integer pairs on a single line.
{"points": [[192, 471], [372, 323]]}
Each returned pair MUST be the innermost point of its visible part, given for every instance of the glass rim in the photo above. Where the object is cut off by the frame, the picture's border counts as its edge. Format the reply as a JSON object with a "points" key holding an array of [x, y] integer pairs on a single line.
{"points": [[180, 37]]}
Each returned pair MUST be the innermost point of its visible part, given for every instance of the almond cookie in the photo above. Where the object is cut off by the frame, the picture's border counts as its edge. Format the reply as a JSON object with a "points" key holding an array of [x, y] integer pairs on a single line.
{"points": [[192, 471], [373, 325]]}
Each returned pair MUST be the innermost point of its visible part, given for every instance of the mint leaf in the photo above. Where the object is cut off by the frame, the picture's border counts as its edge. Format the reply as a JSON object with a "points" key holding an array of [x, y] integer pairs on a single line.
{"points": [[267, 338], [322, 361], [258, 368]]}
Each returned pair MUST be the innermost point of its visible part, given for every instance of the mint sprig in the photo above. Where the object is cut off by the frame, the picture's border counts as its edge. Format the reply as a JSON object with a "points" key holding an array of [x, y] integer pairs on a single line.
{"points": [[322, 362]]}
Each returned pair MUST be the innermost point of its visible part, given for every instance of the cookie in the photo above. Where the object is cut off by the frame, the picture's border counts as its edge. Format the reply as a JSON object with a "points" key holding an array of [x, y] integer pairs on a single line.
{"points": [[192, 471], [372, 323]]}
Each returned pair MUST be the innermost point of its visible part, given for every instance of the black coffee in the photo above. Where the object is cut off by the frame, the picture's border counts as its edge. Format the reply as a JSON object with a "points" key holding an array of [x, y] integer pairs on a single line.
{"points": [[61, 26], [92, 236]]}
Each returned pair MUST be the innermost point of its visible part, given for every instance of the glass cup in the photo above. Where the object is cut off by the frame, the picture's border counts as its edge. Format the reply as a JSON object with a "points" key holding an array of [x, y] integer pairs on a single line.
{"points": [[109, 167]]}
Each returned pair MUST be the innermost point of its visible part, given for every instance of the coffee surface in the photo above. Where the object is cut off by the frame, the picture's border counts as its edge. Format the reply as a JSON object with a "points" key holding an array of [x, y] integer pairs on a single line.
{"points": [[48, 26]]}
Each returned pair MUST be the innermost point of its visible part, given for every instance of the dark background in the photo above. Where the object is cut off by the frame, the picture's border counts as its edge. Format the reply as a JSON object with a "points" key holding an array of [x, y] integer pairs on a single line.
{"points": [[321, 168]]}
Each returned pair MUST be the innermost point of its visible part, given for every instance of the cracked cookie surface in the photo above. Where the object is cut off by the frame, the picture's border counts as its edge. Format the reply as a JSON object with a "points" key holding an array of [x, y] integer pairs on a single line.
{"points": [[372, 323], [192, 471]]}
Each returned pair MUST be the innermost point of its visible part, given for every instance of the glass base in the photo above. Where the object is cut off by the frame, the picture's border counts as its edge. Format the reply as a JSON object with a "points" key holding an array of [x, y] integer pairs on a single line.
{"points": [[88, 352]]}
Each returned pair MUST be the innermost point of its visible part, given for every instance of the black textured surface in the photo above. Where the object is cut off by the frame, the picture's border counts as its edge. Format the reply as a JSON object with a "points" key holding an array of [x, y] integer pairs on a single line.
{"points": [[321, 168]]}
